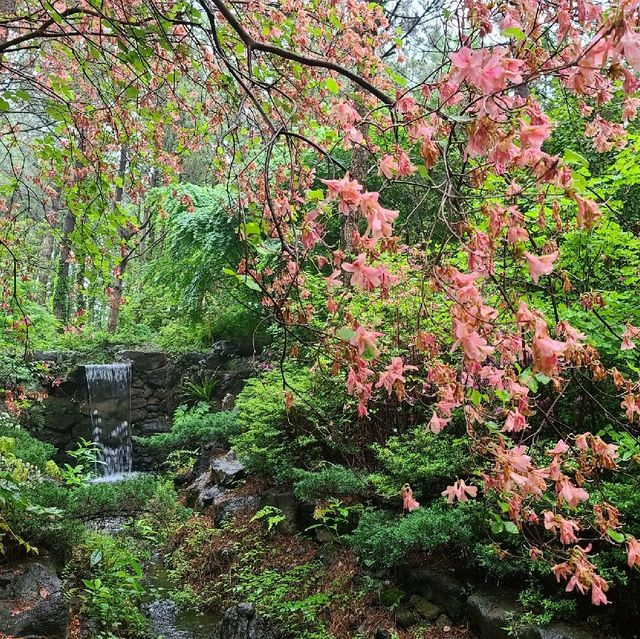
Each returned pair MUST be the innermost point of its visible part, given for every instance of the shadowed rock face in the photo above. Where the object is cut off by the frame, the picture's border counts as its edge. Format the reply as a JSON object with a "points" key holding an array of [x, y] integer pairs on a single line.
{"points": [[243, 622], [31, 601]]}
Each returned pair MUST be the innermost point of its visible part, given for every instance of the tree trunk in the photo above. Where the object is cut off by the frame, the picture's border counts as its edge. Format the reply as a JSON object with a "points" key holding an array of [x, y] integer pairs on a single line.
{"points": [[358, 171], [61, 290], [118, 287]]}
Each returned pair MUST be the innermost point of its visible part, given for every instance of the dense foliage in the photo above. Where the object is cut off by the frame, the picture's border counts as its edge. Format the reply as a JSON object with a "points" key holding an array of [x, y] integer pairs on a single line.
{"points": [[438, 243]]}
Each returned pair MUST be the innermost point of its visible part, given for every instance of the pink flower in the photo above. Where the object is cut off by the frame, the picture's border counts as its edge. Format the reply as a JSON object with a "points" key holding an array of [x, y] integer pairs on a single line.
{"points": [[474, 346], [436, 424], [559, 449], [630, 332], [346, 114], [362, 275], [459, 491], [567, 527], [633, 552], [365, 341], [629, 47], [540, 265], [515, 422], [571, 494], [379, 219], [346, 190], [588, 212], [533, 135], [597, 595], [393, 376], [388, 167], [408, 502], [546, 350]]}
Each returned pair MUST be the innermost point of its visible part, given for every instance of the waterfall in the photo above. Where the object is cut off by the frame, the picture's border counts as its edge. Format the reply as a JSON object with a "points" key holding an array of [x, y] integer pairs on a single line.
{"points": [[109, 391]]}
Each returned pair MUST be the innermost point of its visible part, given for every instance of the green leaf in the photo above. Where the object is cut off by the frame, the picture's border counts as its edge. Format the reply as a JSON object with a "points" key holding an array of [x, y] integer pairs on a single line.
{"points": [[510, 527], [573, 157], [332, 86], [345, 333], [96, 557], [615, 535], [497, 526], [514, 32], [252, 284], [369, 353]]}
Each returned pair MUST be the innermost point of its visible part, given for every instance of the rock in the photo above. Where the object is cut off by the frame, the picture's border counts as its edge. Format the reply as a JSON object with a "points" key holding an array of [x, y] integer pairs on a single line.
{"points": [[443, 622], [227, 470], [438, 586], [424, 607], [228, 507], [158, 378], [490, 613], [138, 402], [289, 506], [144, 361], [391, 596], [210, 496], [563, 631], [406, 617], [326, 535], [31, 600], [202, 492], [243, 622], [162, 617], [228, 402]]}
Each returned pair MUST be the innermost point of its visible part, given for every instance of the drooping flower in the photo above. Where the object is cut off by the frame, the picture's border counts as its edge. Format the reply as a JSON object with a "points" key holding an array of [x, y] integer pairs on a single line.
{"points": [[362, 275], [630, 333], [540, 264], [459, 491], [570, 494], [546, 350], [633, 552], [408, 502], [436, 424], [346, 191], [474, 346]]}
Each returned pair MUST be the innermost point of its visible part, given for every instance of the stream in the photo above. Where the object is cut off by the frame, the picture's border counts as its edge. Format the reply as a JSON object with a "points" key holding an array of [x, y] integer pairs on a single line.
{"points": [[167, 620]]}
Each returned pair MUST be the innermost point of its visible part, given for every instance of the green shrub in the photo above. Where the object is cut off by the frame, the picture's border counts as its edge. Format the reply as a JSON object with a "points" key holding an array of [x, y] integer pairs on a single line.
{"points": [[192, 428], [428, 462], [144, 493], [153, 497], [26, 446], [274, 441], [332, 481], [382, 539], [105, 583], [57, 534]]}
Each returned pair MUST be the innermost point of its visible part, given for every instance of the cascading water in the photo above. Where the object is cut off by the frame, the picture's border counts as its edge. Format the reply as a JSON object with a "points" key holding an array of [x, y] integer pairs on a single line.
{"points": [[109, 390]]}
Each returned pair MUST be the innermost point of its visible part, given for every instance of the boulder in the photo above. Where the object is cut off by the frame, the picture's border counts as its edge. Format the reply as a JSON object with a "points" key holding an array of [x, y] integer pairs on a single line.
{"points": [[406, 616], [158, 378], [31, 600], [230, 506], [491, 612], [163, 621], [243, 622], [143, 361], [439, 586], [202, 492], [227, 470], [443, 622], [424, 607]]}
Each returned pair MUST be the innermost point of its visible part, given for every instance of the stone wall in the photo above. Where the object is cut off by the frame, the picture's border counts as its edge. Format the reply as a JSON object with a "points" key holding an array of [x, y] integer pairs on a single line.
{"points": [[158, 387]]}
